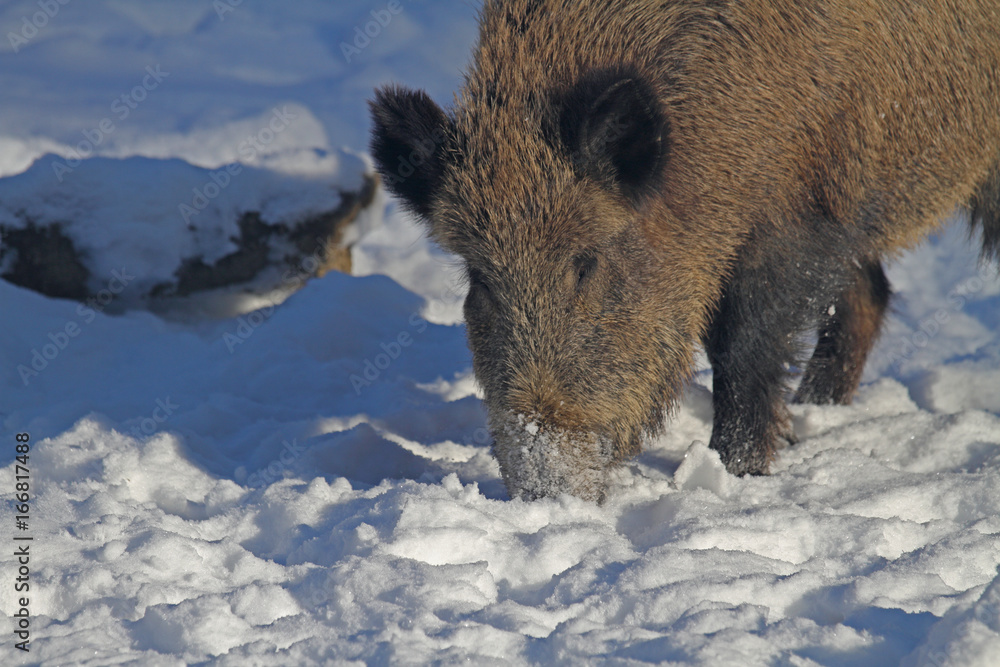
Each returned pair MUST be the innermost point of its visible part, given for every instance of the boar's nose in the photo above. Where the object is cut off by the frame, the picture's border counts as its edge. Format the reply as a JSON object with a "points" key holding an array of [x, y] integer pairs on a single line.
{"points": [[535, 391]]}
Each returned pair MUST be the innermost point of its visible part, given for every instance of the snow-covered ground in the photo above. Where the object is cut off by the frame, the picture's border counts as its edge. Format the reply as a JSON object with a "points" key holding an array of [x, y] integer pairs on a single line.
{"points": [[311, 482]]}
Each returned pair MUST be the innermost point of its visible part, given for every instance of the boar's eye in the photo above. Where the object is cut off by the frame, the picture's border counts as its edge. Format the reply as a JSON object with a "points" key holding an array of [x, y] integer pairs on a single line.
{"points": [[480, 299], [584, 267]]}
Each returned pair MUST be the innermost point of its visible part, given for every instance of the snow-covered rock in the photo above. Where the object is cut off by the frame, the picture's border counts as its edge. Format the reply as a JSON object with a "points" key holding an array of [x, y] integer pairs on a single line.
{"points": [[138, 231]]}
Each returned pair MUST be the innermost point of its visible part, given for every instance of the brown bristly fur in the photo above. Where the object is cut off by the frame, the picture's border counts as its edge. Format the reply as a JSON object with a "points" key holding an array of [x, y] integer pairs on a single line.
{"points": [[624, 180]]}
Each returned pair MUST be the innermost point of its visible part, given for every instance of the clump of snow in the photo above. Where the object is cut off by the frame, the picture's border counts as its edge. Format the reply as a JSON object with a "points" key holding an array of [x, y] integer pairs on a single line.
{"points": [[966, 636], [703, 469]]}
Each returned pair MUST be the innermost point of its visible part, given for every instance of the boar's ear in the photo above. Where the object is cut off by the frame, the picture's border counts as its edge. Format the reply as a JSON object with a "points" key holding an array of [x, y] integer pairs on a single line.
{"points": [[615, 129], [408, 145]]}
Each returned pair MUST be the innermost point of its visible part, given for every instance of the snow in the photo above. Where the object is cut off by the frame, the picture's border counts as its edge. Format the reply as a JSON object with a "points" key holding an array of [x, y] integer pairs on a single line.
{"points": [[311, 482]]}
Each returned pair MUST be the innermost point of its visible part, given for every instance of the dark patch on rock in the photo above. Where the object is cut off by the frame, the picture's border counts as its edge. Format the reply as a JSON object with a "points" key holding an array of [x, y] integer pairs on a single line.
{"points": [[45, 261]]}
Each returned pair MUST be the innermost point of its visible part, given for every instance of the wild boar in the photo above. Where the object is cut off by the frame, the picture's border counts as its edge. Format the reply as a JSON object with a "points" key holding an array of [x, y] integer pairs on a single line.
{"points": [[627, 180]]}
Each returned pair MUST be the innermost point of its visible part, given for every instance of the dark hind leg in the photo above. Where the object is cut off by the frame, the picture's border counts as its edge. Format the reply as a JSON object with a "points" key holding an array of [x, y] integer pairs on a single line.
{"points": [[985, 212], [845, 338]]}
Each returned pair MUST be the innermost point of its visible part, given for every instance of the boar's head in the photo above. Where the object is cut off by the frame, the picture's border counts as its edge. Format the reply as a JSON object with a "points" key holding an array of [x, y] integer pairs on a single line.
{"points": [[580, 320]]}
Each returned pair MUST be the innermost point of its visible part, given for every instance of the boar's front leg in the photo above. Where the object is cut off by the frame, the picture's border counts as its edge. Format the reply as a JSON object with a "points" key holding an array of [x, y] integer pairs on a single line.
{"points": [[777, 293], [748, 351]]}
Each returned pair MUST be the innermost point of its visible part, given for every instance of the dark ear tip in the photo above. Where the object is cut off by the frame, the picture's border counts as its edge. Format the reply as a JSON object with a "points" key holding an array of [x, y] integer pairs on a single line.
{"points": [[389, 104], [378, 104], [407, 142], [395, 102]]}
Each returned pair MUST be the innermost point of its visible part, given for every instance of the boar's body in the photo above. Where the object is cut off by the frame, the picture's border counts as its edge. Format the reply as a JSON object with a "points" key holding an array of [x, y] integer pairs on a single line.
{"points": [[627, 179]]}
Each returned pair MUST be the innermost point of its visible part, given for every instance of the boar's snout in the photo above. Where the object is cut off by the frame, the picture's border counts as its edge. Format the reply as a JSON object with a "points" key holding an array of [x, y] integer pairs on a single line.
{"points": [[538, 459]]}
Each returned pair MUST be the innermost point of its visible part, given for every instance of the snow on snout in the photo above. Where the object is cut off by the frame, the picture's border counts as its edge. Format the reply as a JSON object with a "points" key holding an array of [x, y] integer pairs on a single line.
{"points": [[537, 460]]}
